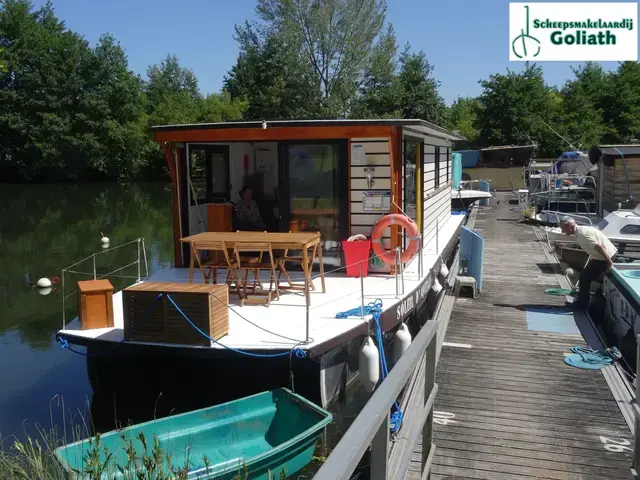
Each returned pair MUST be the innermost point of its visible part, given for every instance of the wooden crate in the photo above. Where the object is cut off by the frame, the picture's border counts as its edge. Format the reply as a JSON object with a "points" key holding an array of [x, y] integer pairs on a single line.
{"points": [[149, 319], [95, 304]]}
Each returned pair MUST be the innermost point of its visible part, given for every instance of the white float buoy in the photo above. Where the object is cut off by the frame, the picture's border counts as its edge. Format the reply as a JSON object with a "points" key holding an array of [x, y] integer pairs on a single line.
{"points": [[369, 365], [104, 240], [436, 287], [444, 271], [401, 342], [44, 291], [44, 282], [569, 272]]}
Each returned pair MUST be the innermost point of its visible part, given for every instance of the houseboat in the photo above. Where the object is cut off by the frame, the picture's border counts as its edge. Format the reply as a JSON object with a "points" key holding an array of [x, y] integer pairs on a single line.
{"points": [[245, 310]]}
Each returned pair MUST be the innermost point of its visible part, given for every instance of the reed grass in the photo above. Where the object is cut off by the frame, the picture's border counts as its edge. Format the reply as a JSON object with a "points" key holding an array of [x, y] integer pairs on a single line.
{"points": [[34, 458]]}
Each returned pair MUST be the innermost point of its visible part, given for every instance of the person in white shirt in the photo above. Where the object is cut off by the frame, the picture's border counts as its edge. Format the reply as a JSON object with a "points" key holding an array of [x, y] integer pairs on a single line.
{"points": [[601, 252]]}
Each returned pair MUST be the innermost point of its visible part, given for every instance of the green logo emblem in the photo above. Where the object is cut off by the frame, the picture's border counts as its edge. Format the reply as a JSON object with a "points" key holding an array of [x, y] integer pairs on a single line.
{"points": [[519, 44]]}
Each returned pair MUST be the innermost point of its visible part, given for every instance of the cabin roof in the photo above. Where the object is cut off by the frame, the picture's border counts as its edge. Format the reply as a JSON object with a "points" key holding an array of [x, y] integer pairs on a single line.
{"points": [[615, 150], [422, 126], [507, 147]]}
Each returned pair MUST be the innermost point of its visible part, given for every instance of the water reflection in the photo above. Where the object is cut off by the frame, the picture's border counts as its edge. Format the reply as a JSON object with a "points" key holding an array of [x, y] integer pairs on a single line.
{"points": [[44, 228]]}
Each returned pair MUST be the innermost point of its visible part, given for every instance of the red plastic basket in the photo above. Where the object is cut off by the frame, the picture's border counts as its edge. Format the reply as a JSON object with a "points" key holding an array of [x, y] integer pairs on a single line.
{"points": [[356, 255]]}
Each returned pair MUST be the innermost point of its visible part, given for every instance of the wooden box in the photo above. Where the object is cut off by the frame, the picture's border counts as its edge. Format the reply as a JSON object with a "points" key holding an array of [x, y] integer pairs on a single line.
{"points": [[95, 304], [148, 318]]}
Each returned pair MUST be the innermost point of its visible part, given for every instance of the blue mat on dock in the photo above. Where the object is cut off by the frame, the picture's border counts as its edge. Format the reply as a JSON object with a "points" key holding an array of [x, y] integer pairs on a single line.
{"points": [[551, 320], [589, 359]]}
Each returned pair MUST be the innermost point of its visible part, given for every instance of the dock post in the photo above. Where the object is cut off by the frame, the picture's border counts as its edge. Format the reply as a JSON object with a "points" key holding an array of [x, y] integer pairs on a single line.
{"points": [[380, 451], [430, 362], [93, 257], [361, 292]]}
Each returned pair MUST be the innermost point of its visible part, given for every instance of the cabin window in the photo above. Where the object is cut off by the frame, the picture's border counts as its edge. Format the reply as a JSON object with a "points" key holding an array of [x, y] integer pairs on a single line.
{"points": [[208, 173], [314, 192], [437, 167], [448, 163], [630, 230]]}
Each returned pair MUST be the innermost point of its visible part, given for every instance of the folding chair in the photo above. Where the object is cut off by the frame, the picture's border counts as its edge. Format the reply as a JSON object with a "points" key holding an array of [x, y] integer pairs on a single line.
{"points": [[282, 261], [210, 267], [262, 248]]}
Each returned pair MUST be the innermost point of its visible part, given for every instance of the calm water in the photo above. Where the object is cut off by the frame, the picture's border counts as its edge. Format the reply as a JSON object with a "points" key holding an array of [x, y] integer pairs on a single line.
{"points": [[44, 228]]}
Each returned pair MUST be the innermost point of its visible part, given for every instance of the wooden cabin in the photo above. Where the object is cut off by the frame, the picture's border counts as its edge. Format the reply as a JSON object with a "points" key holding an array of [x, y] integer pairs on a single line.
{"points": [[618, 176], [323, 180], [335, 176]]}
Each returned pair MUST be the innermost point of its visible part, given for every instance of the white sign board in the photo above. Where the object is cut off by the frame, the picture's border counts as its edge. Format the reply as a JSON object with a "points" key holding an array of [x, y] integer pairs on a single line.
{"points": [[573, 32], [374, 201], [358, 155]]}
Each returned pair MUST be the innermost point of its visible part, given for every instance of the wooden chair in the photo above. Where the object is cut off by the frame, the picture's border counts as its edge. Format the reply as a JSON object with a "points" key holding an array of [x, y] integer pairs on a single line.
{"points": [[255, 258], [282, 261], [264, 250], [210, 267]]}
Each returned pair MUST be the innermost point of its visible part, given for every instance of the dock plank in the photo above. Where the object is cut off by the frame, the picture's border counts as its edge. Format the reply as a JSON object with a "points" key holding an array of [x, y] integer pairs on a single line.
{"points": [[508, 407]]}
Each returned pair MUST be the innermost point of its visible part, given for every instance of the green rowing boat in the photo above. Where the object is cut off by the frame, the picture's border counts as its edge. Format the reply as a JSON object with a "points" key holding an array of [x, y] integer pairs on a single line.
{"points": [[255, 438]]}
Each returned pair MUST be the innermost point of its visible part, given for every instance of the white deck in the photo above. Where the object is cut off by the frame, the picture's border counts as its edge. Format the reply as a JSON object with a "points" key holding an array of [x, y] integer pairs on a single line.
{"points": [[287, 316]]}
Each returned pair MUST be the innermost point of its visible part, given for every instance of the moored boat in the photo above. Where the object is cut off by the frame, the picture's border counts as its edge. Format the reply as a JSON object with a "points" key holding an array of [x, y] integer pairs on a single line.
{"points": [[295, 315], [256, 437]]}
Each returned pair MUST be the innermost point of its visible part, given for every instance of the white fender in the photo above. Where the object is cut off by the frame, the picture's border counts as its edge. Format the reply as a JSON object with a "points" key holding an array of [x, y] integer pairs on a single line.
{"points": [[44, 282], [401, 342], [444, 271], [436, 287], [369, 365]]}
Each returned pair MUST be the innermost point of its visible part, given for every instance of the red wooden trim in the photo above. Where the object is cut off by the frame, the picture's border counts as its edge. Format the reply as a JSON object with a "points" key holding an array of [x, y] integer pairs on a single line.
{"points": [[169, 150], [271, 134]]}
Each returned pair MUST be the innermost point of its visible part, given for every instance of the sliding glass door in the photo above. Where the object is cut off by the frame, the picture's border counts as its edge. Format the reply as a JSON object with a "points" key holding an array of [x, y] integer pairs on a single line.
{"points": [[313, 192]]}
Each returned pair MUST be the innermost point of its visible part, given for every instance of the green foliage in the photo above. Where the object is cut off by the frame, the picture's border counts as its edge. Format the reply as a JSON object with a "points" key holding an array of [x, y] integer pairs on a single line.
{"points": [[73, 112], [419, 97], [463, 117], [329, 45], [514, 108]]}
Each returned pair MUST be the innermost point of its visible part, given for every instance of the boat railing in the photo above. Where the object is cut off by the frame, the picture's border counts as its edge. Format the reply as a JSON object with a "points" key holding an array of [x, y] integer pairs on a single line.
{"points": [[90, 264], [559, 215], [372, 426]]}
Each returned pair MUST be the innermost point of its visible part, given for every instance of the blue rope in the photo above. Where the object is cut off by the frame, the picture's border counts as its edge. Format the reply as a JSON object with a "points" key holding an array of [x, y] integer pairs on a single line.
{"points": [[64, 344], [357, 312], [299, 353], [375, 309]]}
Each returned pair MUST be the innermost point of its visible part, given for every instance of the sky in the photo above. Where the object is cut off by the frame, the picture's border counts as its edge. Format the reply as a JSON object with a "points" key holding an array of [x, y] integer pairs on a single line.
{"points": [[465, 40]]}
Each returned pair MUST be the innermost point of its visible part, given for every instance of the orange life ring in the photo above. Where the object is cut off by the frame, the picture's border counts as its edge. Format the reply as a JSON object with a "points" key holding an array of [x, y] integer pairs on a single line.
{"points": [[388, 256]]}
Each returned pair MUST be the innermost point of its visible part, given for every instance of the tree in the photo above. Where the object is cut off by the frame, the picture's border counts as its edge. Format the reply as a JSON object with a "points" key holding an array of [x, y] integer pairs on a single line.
{"points": [[419, 97], [170, 78], [585, 100], [68, 111], [463, 116], [623, 113], [334, 39], [272, 81], [379, 94], [518, 108]]}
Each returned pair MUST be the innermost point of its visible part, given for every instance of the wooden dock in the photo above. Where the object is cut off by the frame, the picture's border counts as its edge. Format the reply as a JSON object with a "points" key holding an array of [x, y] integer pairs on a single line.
{"points": [[508, 407]]}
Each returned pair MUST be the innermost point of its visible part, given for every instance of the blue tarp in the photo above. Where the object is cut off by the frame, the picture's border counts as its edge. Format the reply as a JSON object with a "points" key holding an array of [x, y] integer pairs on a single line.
{"points": [[470, 158]]}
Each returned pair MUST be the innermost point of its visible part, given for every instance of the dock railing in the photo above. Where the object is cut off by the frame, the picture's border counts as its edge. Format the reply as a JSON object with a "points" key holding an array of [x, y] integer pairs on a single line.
{"points": [[635, 466], [371, 428]]}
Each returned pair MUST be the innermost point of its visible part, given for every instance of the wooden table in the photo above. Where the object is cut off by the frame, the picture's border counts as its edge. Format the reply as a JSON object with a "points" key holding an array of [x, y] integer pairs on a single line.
{"points": [[279, 241]]}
